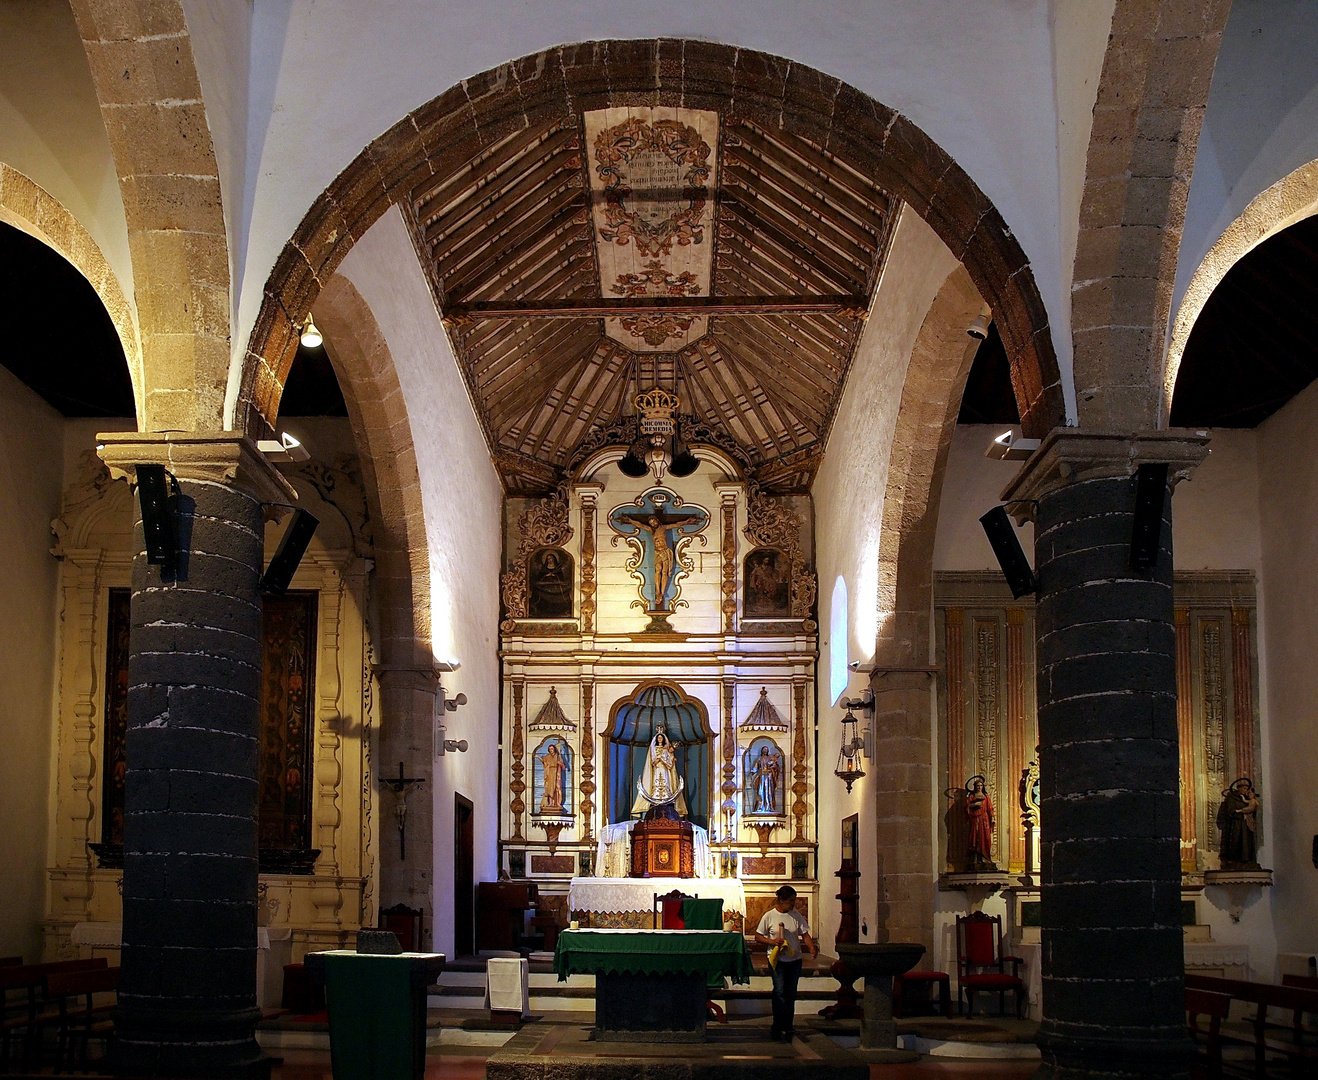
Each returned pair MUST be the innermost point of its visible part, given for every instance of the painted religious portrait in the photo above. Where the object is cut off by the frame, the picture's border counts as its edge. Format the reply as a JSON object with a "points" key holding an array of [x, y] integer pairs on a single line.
{"points": [[768, 584], [549, 574], [762, 780], [551, 790], [658, 527]]}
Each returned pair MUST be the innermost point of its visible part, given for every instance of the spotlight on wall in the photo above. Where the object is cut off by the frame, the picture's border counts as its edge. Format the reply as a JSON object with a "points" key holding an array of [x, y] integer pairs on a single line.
{"points": [[159, 525], [1009, 446], [284, 450], [1015, 566], [291, 549], [310, 336], [1146, 528]]}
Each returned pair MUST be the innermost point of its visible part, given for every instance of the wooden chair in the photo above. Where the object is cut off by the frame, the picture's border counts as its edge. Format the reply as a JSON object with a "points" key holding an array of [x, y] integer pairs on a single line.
{"points": [[80, 1022], [981, 964], [1208, 1060], [23, 1010], [407, 924]]}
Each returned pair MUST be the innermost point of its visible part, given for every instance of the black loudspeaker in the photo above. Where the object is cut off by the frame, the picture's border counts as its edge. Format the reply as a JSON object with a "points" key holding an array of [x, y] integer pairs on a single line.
{"points": [[159, 527], [291, 549], [1015, 566], [1146, 530]]}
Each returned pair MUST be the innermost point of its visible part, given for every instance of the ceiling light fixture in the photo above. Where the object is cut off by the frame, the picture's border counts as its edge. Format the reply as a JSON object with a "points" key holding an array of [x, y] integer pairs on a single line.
{"points": [[311, 337]]}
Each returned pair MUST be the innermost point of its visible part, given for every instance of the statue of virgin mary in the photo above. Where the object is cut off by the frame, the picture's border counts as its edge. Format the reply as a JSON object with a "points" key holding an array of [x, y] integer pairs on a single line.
{"points": [[659, 784]]}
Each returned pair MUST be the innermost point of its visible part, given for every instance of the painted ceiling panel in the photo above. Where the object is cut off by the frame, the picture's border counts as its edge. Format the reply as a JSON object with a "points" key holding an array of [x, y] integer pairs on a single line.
{"points": [[650, 207]]}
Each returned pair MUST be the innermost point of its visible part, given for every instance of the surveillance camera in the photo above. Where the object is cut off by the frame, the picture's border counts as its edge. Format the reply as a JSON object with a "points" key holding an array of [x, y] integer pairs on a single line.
{"points": [[979, 328]]}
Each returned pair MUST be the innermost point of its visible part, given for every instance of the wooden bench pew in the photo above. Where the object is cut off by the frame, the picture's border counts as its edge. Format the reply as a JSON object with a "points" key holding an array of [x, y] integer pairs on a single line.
{"points": [[23, 1008], [1215, 1008], [80, 1017], [1301, 1055]]}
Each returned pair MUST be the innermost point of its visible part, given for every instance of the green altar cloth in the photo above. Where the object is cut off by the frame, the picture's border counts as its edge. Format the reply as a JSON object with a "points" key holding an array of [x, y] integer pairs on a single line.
{"points": [[710, 954], [702, 914], [377, 1012]]}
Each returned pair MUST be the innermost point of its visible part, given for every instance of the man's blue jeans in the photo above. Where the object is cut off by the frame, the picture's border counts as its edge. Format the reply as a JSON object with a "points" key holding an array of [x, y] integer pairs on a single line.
{"points": [[786, 974]]}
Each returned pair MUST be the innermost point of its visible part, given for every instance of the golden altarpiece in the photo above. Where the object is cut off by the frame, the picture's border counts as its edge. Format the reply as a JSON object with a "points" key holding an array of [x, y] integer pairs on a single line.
{"points": [[988, 727], [635, 603], [316, 834]]}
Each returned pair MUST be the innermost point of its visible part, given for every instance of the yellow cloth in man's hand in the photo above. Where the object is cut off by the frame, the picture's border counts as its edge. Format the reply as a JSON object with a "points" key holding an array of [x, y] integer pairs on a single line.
{"points": [[773, 955]]}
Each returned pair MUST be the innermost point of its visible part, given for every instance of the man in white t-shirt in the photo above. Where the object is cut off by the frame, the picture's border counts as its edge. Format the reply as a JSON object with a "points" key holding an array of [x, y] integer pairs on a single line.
{"points": [[783, 927]]}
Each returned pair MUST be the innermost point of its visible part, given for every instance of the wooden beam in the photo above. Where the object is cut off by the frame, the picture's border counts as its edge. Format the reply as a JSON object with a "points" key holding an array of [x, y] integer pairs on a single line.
{"points": [[847, 306]]}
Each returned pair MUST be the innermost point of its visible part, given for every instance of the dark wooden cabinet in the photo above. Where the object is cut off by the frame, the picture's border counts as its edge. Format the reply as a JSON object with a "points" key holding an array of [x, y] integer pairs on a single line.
{"points": [[501, 908]]}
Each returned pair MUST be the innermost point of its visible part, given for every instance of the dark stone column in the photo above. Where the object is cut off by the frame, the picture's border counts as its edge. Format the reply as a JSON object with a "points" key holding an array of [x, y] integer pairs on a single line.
{"points": [[187, 998], [1113, 961]]}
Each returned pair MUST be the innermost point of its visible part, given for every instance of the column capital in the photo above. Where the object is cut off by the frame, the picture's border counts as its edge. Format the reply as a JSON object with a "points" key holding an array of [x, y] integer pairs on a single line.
{"points": [[227, 458], [1069, 455]]}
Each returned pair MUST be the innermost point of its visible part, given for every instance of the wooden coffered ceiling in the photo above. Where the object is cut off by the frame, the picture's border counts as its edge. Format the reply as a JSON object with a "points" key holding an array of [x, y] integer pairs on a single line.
{"points": [[794, 243]]}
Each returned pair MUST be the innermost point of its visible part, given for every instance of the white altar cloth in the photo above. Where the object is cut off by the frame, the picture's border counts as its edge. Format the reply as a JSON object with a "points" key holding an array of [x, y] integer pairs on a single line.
{"points": [[612, 894]]}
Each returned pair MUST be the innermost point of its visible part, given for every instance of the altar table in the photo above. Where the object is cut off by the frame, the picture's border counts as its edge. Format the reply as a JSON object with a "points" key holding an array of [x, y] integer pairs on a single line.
{"points": [[652, 983], [634, 897]]}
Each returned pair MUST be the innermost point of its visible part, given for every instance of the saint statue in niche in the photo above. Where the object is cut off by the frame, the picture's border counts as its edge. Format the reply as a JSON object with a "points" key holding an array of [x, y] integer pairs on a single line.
{"points": [[659, 784], [551, 778], [549, 584], [768, 584], [979, 818], [1237, 821], [766, 768], [551, 796]]}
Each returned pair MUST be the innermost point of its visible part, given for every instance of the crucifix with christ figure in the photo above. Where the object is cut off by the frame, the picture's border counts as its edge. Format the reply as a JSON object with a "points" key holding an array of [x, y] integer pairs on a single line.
{"points": [[658, 528]]}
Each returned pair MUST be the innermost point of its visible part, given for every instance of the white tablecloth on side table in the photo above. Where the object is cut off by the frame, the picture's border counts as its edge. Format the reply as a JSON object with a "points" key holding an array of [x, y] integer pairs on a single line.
{"points": [[508, 984], [637, 894]]}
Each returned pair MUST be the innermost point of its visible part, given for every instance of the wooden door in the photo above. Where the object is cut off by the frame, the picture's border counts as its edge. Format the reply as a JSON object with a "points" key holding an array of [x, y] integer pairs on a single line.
{"points": [[464, 883]]}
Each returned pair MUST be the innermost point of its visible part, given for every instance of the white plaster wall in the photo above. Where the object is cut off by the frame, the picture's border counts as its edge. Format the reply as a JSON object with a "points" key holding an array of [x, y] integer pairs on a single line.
{"points": [[31, 447], [971, 486], [461, 499], [1261, 122], [1288, 520], [50, 123], [981, 77], [848, 493]]}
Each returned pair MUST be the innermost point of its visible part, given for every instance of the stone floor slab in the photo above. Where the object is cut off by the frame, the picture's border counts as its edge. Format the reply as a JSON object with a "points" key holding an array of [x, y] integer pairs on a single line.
{"points": [[568, 1052]]}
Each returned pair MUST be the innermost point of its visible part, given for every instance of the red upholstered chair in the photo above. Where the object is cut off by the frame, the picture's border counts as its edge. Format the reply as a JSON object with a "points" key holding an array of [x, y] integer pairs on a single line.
{"points": [[408, 925], [981, 965], [668, 910]]}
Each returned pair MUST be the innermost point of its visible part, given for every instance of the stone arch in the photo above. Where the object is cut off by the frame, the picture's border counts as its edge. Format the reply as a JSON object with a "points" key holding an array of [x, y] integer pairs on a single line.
{"points": [[1150, 107], [405, 661], [1292, 198], [28, 206], [931, 399], [146, 80], [447, 132]]}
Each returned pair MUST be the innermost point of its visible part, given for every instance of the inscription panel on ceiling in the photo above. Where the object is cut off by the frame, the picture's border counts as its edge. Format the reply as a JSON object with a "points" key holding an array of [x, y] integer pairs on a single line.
{"points": [[652, 172]]}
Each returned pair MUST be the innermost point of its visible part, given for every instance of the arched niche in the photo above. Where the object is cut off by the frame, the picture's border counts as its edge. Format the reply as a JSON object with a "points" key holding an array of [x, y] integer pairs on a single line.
{"points": [[632, 724]]}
